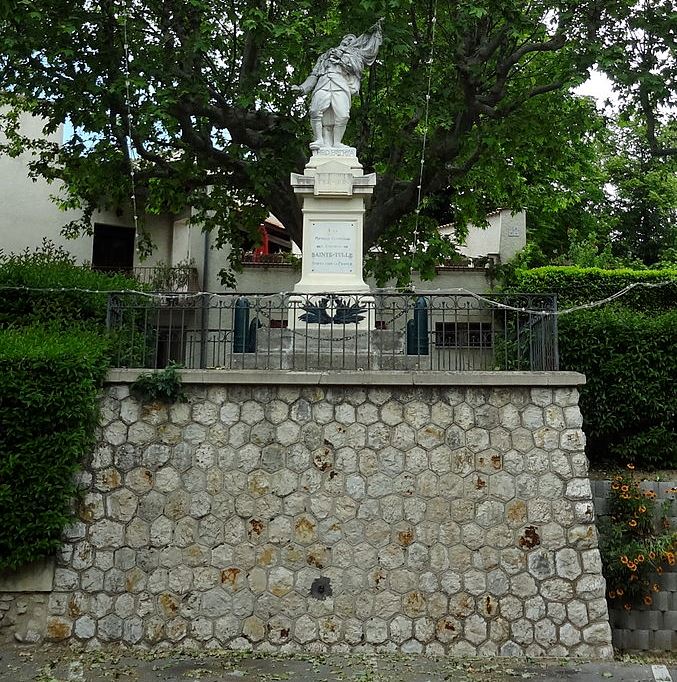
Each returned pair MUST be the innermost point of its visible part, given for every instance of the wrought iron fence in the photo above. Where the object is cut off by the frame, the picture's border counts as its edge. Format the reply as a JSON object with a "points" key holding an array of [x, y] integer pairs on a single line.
{"points": [[385, 330], [161, 277]]}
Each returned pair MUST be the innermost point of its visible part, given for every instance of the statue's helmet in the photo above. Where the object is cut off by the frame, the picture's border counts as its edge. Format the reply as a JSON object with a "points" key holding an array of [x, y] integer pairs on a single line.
{"points": [[348, 39]]}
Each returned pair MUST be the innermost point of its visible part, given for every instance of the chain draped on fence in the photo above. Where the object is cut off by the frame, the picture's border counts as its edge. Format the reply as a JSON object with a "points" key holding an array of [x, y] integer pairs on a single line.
{"points": [[435, 331]]}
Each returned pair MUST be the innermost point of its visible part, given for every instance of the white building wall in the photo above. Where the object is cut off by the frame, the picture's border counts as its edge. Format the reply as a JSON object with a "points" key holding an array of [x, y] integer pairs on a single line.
{"points": [[27, 214], [502, 238]]}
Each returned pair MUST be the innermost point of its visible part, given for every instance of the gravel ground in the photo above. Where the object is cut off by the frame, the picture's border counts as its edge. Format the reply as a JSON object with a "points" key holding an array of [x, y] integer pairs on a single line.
{"points": [[45, 663]]}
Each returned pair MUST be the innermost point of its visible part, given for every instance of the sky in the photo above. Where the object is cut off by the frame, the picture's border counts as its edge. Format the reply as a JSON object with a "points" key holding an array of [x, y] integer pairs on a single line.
{"points": [[599, 87]]}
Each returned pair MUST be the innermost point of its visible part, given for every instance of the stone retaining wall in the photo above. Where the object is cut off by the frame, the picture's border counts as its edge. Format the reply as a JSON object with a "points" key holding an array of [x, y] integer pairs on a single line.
{"points": [[445, 519]]}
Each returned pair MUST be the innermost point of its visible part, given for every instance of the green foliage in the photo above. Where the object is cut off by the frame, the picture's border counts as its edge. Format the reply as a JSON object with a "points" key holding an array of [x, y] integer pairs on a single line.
{"points": [[643, 207], [628, 351], [50, 267], [575, 285], [48, 411], [636, 542], [160, 386], [217, 126], [629, 402]]}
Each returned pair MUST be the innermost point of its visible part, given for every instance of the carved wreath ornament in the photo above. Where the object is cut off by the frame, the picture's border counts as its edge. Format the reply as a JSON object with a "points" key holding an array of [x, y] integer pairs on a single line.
{"points": [[332, 310]]}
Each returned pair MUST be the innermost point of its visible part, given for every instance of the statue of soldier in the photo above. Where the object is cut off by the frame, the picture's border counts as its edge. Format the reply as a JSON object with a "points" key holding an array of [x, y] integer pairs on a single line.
{"points": [[334, 80]]}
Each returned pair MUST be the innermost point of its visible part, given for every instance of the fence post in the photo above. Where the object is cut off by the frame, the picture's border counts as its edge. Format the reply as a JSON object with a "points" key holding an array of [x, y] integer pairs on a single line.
{"points": [[240, 325], [417, 329]]}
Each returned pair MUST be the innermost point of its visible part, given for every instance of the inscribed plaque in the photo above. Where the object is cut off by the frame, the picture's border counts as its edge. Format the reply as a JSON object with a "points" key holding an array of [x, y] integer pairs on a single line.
{"points": [[332, 247]]}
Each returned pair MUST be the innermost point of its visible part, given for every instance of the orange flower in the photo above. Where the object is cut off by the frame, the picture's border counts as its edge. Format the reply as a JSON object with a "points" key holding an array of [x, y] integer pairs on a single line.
{"points": [[656, 588], [620, 591], [612, 595], [671, 561], [632, 566], [631, 466], [640, 559], [625, 496], [624, 560], [652, 555], [624, 488], [614, 486], [642, 508], [659, 570], [632, 523], [648, 600], [627, 607]]}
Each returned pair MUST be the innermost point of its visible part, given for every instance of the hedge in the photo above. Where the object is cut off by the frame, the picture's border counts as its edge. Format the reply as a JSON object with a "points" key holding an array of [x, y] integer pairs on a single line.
{"points": [[48, 413], [628, 351], [629, 403], [574, 285]]}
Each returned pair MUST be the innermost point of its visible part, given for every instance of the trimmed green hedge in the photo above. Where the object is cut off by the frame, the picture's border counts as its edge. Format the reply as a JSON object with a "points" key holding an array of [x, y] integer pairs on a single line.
{"points": [[628, 351], [48, 412], [629, 403], [574, 285]]}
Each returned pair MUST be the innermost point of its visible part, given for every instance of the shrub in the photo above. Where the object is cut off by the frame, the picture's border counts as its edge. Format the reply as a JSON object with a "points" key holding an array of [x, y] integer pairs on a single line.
{"points": [[50, 267], [48, 413], [628, 351], [575, 286], [636, 542], [163, 386], [629, 403]]}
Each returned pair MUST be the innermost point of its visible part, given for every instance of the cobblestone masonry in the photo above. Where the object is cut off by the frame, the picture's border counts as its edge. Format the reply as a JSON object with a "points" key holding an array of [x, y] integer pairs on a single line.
{"points": [[438, 520]]}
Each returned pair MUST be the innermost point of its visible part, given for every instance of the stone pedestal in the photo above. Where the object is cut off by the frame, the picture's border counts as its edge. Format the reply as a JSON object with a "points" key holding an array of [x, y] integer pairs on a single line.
{"points": [[333, 191]]}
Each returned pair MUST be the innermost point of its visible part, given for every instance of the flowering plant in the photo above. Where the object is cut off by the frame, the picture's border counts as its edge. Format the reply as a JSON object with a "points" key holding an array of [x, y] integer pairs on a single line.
{"points": [[636, 541]]}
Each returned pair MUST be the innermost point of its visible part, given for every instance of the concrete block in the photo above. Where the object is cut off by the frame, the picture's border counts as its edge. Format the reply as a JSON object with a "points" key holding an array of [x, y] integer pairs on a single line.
{"points": [[661, 601], [649, 620], [670, 621], [662, 640], [618, 638], [638, 640], [35, 577], [668, 581]]}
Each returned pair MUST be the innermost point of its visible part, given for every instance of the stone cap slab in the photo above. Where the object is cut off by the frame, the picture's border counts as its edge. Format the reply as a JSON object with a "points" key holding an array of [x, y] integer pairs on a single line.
{"points": [[362, 378]]}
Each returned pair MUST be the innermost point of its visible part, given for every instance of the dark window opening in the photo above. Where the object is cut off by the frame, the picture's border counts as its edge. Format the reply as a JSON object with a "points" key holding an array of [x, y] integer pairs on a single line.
{"points": [[463, 335], [113, 248]]}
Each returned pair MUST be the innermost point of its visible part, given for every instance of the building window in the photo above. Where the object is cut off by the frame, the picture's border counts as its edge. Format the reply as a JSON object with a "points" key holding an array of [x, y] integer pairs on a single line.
{"points": [[463, 335], [113, 247]]}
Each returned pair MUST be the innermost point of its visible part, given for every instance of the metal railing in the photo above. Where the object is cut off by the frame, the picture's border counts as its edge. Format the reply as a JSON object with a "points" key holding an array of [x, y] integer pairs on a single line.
{"points": [[397, 331], [171, 278]]}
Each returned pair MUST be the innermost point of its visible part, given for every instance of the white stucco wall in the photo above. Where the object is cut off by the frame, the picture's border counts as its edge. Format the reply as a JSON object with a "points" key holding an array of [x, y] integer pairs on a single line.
{"points": [[27, 213], [505, 235]]}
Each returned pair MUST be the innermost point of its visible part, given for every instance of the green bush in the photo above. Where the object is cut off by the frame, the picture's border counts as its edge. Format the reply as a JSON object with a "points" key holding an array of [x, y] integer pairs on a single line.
{"points": [[163, 386], [48, 412], [629, 403], [575, 286], [48, 268], [628, 351], [636, 541]]}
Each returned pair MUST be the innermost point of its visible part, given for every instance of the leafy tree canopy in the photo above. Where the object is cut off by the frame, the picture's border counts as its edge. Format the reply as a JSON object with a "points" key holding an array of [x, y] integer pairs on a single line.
{"points": [[216, 126]]}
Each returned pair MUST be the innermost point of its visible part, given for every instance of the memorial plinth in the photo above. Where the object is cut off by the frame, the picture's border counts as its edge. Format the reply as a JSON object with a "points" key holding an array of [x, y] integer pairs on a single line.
{"points": [[333, 192]]}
